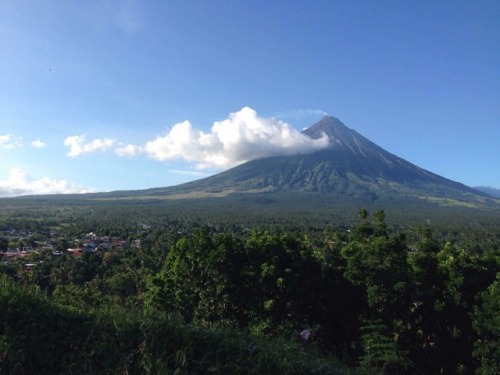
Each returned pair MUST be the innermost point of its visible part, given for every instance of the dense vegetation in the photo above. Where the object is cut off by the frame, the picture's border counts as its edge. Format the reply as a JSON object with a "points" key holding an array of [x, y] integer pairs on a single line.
{"points": [[206, 294]]}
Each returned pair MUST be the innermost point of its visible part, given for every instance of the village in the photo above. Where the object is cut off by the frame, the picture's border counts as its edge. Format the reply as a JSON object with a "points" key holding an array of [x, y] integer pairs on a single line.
{"points": [[18, 244]]}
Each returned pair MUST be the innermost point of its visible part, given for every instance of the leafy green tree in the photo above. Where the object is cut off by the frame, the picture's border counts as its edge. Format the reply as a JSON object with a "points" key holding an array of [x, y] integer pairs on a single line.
{"points": [[381, 353], [194, 281], [364, 230], [376, 263], [155, 246], [284, 281], [424, 318], [81, 297], [342, 304], [62, 245], [380, 225], [380, 267], [4, 244], [269, 282], [465, 275], [487, 326], [121, 284], [445, 282]]}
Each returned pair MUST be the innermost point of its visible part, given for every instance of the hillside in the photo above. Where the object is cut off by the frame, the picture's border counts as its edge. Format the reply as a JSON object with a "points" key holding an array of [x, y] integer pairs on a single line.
{"points": [[489, 190]]}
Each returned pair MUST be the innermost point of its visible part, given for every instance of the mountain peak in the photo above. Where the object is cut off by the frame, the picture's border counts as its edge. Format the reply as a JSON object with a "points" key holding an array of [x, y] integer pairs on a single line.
{"points": [[329, 125], [342, 137]]}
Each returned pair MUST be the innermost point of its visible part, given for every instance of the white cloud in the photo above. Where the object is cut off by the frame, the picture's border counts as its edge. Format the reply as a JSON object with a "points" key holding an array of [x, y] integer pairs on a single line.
{"points": [[38, 144], [8, 142], [128, 150], [77, 145], [243, 136], [182, 142], [19, 183]]}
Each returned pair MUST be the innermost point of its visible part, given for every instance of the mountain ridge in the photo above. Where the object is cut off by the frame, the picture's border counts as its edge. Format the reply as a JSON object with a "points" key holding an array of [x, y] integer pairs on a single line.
{"points": [[494, 192]]}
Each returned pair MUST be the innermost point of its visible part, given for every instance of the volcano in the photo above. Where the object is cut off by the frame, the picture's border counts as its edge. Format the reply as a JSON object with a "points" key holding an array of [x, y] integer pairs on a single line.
{"points": [[350, 167]]}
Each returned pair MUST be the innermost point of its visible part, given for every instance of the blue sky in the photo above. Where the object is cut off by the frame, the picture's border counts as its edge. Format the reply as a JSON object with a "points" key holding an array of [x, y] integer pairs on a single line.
{"points": [[111, 95]]}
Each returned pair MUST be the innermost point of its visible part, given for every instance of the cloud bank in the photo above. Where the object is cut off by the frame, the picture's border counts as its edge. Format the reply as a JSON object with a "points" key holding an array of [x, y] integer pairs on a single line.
{"points": [[19, 183], [243, 136]]}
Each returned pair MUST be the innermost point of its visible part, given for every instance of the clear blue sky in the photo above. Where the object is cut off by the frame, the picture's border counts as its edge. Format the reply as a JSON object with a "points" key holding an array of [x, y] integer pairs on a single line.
{"points": [[108, 95]]}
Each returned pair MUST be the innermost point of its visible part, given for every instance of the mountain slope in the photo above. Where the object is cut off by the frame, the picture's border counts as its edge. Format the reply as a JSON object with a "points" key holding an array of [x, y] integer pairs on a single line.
{"points": [[352, 166], [489, 190]]}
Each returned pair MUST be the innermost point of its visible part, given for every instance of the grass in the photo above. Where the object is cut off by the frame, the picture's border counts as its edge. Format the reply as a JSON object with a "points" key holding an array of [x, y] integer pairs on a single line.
{"points": [[37, 336]]}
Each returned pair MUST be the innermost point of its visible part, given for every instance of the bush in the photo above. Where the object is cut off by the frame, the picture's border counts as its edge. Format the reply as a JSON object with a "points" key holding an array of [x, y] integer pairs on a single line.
{"points": [[40, 337]]}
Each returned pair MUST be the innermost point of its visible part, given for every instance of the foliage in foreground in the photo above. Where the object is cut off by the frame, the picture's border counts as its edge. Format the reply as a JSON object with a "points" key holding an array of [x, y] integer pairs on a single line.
{"points": [[40, 337], [386, 301], [378, 302]]}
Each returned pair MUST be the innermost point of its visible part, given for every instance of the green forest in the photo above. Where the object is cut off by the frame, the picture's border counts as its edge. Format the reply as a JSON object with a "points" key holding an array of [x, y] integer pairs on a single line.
{"points": [[175, 294]]}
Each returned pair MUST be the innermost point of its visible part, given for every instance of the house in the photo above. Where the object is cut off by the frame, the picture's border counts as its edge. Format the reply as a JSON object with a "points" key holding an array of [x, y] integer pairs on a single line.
{"points": [[28, 267], [76, 252]]}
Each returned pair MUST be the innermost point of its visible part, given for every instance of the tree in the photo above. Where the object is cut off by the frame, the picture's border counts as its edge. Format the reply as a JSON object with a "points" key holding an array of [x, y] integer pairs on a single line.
{"points": [[486, 323], [194, 280], [4, 244], [265, 284], [380, 267], [286, 278], [445, 281], [376, 263], [364, 229], [381, 354]]}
